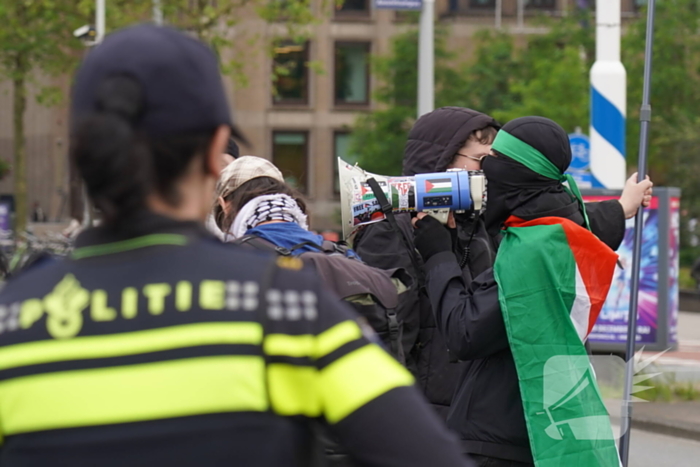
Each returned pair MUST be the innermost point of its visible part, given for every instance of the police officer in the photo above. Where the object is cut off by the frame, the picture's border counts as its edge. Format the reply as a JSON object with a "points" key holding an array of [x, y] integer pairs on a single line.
{"points": [[155, 344]]}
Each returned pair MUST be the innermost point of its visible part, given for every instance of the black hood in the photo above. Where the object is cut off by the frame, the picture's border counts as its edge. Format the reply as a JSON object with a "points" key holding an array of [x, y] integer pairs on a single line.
{"points": [[514, 189], [437, 136]]}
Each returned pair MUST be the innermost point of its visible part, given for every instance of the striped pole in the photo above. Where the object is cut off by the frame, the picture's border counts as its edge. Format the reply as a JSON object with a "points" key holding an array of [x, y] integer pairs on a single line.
{"points": [[608, 100]]}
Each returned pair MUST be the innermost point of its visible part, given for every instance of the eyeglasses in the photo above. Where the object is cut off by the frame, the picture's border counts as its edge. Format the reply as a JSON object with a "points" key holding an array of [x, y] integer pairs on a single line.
{"points": [[478, 158]]}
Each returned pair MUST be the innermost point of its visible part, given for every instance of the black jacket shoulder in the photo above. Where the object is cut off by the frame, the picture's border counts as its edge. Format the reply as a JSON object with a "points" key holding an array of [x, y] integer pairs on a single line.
{"points": [[608, 223]]}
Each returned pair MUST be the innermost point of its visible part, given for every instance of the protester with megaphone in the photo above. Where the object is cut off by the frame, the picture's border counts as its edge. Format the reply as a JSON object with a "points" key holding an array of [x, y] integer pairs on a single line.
{"points": [[457, 137], [447, 137]]}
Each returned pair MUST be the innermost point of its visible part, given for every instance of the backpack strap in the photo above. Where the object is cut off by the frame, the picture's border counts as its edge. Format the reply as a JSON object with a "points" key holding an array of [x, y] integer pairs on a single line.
{"points": [[327, 247], [387, 210], [262, 244], [395, 346]]}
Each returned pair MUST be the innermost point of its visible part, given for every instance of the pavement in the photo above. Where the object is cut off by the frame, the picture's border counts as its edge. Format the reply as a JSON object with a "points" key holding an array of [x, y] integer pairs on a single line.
{"points": [[682, 365], [649, 449], [677, 419]]}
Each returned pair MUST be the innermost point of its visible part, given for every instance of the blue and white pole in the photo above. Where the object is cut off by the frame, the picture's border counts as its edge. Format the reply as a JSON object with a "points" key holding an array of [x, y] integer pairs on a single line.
{"points": [[608, 100]]}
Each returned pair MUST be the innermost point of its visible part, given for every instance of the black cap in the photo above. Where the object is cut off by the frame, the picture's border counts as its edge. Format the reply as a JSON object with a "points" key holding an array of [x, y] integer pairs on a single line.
{"points": [[179, 76]]}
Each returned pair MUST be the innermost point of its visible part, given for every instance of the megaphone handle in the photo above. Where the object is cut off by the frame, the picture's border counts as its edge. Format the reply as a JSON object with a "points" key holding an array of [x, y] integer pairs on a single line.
{"points": [[387, 209]]}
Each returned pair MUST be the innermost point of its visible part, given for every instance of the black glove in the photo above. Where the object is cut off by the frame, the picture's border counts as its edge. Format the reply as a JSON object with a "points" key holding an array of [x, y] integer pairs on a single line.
{"points": [[432, 237]]}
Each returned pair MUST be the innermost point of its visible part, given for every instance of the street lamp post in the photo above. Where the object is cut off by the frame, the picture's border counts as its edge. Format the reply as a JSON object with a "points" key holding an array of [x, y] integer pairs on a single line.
{"points": [[157, 13], [99, 20], [426, 59]]}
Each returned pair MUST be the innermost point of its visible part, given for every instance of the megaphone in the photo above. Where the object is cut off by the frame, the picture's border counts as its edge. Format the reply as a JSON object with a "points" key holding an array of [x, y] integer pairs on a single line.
{"points": [[435, 193]]}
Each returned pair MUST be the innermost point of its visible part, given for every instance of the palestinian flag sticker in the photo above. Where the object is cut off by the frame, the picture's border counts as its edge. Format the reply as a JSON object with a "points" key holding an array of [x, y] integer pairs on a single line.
{"points": [[439, 185]]}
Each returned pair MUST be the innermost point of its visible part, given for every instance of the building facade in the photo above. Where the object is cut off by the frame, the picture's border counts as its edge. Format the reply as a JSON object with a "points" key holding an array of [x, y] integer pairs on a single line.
{"points": [[301, 119]]}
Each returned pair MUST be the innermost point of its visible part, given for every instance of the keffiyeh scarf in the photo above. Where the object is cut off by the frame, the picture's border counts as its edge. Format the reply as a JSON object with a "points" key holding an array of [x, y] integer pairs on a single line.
{"points": [[277, 207]]}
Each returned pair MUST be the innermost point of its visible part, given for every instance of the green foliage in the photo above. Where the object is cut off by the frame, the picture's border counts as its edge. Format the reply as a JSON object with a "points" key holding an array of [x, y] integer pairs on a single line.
{"points": [[551, 76], [35, 37], [39, 31], [548, 75], [674, 143], [685, 280], [490, 74], [213, 21], [5, 168], [675, 79], [50, 96], [379, 137], [688, 255], [670, 390]]}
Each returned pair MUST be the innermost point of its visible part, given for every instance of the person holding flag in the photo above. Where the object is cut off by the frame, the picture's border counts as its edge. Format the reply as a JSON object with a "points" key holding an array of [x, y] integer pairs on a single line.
{"points": [[536, 306]]}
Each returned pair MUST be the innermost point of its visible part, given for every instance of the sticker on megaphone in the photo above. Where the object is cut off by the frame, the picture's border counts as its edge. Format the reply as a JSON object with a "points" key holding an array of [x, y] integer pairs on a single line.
{"points": [[434, 193]]}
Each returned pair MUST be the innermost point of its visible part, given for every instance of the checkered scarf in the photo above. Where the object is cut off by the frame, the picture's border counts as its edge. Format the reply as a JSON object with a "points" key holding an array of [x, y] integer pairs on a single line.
{"points": [[267, 208]]}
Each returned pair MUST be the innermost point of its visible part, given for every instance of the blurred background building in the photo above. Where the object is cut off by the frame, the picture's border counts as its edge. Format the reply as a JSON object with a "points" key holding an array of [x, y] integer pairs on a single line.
{"points": [[302, 119]]}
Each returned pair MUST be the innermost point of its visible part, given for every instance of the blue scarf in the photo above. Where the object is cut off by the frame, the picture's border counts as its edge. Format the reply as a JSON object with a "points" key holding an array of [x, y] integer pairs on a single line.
{"points": [[290, 234]]}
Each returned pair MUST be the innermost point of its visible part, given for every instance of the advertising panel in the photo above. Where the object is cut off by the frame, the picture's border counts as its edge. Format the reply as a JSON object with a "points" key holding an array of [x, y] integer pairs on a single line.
{"points": [[611, 326]]}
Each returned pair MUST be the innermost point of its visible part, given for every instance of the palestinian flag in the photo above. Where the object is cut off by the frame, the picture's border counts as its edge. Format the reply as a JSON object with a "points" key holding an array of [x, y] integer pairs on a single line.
{"points": [[367, 193], [553, 277], [440, 185]]}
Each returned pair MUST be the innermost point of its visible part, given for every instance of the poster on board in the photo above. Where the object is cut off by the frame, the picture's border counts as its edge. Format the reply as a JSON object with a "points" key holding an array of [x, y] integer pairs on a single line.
{"points": [[611, 326]]}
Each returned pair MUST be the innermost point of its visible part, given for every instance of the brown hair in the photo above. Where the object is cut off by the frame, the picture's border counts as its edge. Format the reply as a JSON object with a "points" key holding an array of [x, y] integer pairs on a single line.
{"points": [[484, 136], [259, 186]]}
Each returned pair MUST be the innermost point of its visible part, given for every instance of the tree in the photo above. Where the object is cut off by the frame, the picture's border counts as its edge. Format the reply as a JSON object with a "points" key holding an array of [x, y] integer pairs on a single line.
{"points": [[217, 23], [552, 75], [674, 159], [35, 37], [380, 136], [491, 73], [548, 77]]}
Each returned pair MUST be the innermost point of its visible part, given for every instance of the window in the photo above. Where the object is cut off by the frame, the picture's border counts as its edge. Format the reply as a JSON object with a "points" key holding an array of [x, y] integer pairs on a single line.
{"points": [[352, 8], [291, 85], [482, 3], [289, 154], [352, 73], [341, 148], [541, 4]]}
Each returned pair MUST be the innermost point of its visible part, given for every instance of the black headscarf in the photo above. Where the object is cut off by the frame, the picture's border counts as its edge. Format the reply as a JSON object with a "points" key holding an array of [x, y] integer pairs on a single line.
{"points": [[514, 189]]}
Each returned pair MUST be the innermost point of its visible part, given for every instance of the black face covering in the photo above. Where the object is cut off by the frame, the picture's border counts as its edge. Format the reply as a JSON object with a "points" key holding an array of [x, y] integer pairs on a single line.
{"points": [[513, 189]]}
